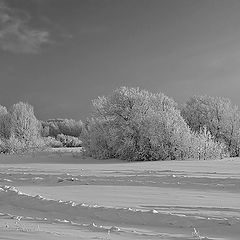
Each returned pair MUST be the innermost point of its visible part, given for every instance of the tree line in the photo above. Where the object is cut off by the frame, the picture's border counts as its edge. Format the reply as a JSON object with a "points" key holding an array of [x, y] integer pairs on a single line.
{"points": [[134, 125], [20, 131]]}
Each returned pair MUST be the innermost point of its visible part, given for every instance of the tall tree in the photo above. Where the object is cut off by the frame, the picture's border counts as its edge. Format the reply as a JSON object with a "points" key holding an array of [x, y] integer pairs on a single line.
{"points": [[135, 124], [218, 115], [24, 124]]}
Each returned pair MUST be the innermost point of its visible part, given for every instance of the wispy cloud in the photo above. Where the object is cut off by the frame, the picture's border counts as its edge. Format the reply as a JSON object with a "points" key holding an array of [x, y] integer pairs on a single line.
{"points": [[15, 33]]}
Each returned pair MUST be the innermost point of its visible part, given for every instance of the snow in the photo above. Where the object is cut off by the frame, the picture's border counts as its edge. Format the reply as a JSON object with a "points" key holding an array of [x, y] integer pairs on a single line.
{"points": [[52, 195]]}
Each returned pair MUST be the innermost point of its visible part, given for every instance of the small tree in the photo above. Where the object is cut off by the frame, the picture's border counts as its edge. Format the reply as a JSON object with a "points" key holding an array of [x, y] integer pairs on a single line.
{"points": [[24, 125], [4, 123], [202, 145]]}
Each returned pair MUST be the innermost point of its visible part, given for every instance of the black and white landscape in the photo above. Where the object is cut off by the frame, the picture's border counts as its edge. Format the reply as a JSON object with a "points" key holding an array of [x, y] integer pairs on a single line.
{"points": [[119, 119]]}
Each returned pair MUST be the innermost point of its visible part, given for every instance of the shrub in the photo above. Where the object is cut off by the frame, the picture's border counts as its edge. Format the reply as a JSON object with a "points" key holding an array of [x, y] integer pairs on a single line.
{"points": [[15, 145], [69, 141], [203, 145], [2, 146], [52, 142], [69, 127]]}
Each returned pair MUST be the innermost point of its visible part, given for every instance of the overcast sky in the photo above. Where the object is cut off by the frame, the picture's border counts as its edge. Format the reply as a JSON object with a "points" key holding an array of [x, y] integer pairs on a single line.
{"points": [[59, 54]]}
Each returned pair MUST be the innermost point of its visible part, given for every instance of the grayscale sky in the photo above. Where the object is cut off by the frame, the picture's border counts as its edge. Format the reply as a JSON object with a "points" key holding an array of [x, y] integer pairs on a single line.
{"points": [[59, 54]]}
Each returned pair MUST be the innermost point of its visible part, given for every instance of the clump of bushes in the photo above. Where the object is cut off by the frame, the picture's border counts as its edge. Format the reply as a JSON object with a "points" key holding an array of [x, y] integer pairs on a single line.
{"points": [[54, 127], [62, 141], [137, 125], [202, 145], [15, 145], [52, 142], [69, 141]]}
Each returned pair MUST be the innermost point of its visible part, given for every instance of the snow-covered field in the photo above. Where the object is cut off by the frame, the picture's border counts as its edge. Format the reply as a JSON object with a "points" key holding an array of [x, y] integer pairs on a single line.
{"points": [[61, 195]]}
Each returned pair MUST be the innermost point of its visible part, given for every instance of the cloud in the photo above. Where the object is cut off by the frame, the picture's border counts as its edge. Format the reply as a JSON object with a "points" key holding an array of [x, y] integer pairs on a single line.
{"points": [[15, 33]]}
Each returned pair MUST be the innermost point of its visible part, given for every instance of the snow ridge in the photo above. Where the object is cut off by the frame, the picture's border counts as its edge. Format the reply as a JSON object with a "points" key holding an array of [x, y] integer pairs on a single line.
{"points": [[69, 211]]}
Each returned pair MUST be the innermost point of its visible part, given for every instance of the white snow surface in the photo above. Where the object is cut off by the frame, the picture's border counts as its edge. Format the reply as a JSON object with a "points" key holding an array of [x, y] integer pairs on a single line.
{"points": [[62, 195]]}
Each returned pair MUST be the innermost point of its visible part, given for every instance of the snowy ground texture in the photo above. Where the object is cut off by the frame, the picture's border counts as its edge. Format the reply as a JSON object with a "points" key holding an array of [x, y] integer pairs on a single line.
{"points": [[61, 195]]}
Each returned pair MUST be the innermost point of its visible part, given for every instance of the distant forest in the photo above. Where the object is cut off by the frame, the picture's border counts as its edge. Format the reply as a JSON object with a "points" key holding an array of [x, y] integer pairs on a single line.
{"points": [[131, 124]]}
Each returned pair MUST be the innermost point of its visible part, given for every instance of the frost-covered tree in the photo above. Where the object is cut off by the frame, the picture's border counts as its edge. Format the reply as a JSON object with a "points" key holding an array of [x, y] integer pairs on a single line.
{"points": [[4, 123], [24, 124], [19, 129], [220, 117], [135, 124], [202, 145], [53, 127]]}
